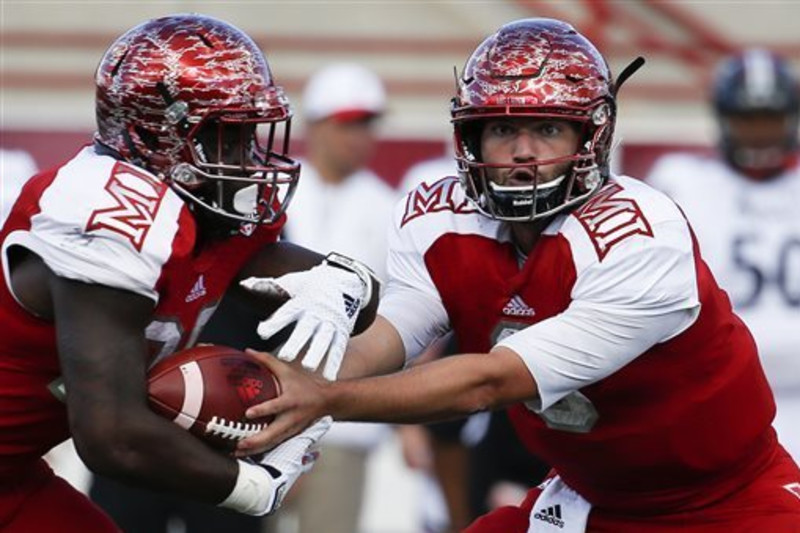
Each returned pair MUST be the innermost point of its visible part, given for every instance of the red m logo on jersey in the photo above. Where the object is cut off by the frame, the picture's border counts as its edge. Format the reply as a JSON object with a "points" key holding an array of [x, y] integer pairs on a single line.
{"points": [[609, 220], [137, 196], [438, 196]]}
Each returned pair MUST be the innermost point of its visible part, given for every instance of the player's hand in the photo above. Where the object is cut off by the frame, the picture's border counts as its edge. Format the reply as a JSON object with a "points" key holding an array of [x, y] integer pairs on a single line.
{"points": [[324, 303], [288, 461], [301, 402]]}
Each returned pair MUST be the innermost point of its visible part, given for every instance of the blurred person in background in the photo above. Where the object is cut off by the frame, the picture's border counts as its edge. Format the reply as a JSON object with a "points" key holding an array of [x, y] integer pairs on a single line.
{"points": [[116, 258], [437, 450], [744, 205], [345, 207], [581, 303], [16, 167]]}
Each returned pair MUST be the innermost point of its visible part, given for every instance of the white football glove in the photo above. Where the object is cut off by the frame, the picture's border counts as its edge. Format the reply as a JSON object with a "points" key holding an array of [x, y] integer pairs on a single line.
{"points": [[265, 480], [324, 303]]}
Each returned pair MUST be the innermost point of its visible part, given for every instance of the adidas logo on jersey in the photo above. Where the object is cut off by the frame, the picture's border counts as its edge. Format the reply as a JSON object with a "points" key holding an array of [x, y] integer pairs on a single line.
{"points": [[516, 306], [551, 515], [198, 290]]}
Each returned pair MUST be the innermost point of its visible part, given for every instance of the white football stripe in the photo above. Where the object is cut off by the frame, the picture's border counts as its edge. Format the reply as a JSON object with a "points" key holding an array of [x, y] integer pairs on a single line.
{"points": [[192, 396]]}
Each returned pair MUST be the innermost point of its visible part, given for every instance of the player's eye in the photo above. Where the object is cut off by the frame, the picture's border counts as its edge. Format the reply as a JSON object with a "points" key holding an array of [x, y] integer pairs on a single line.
{"points": [[551, 129], [502, 129]]}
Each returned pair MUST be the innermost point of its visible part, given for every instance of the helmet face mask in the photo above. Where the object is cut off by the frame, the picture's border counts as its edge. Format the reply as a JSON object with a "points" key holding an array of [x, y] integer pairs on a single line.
{"points": [[191, 99], [538, 69], [757, 105]]}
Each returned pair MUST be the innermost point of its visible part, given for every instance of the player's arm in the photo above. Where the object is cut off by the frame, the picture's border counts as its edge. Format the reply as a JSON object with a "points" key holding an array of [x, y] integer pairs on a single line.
{"points": [[379, 350], [446, 388], [102, 352], [451, 387]]}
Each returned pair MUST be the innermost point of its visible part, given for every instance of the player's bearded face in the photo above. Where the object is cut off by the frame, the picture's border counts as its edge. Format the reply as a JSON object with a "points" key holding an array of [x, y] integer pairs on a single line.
{"points": [[518, 145]]}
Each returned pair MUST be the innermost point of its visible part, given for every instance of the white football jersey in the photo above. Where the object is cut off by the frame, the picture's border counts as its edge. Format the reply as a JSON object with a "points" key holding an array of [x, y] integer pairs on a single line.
{"points": [[649, 276], [103, 222]]}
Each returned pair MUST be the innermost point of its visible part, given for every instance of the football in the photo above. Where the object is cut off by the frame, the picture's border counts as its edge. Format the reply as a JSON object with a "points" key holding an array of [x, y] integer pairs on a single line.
{"points": [[207, 389]]}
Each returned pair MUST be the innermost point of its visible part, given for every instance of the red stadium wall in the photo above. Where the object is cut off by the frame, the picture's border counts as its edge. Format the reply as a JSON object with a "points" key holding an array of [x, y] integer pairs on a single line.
{"points": [[392, 159]]}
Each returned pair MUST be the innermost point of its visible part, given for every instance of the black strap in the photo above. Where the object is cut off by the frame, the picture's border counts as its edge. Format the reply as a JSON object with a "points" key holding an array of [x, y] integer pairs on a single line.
{"points": [[627, 72]]}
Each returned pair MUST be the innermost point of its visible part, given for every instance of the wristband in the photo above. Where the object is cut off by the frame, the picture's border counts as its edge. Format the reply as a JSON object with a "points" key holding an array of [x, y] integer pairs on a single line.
{"points": [[253, 493], [364, 273]]}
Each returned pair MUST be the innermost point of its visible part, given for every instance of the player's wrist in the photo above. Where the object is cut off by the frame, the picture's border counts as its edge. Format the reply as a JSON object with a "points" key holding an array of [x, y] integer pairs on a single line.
{"points": [[255, 492], [365, 274], [333, 400], [368, 306]]}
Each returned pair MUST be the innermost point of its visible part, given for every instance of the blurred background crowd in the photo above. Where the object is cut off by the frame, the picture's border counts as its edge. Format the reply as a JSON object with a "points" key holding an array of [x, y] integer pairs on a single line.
{"points": [[370, 84]]}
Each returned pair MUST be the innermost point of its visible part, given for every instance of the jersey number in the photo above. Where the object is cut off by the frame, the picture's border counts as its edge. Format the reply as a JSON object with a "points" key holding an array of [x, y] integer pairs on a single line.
{"points": [[785, 275], [166, 333]]}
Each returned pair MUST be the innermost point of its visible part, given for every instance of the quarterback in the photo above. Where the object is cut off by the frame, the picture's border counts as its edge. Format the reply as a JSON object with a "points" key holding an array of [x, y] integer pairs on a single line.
{"points": [[582, 304]]}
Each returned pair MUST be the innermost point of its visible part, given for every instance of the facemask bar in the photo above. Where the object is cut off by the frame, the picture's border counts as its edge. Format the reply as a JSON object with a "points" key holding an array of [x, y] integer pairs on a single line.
{"points": [[221, 168], [527, 203]]}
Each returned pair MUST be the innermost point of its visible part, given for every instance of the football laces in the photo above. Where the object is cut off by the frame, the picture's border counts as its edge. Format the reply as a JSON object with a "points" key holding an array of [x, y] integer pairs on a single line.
{"points": [[228, 429]]}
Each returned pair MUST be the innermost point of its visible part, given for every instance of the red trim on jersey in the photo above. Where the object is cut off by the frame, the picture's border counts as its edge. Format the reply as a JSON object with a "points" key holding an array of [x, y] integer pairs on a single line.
{"points": [[183, 242]]}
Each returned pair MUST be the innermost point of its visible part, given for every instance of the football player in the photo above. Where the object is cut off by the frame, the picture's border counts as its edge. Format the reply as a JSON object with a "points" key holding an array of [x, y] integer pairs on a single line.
{"points": [[118, 257], [744, 207], [581, 303]]}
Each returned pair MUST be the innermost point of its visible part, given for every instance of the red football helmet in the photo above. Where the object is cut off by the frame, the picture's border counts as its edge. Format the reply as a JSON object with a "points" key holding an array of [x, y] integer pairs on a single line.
{"points": [[192, 99], [539, 68]]}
